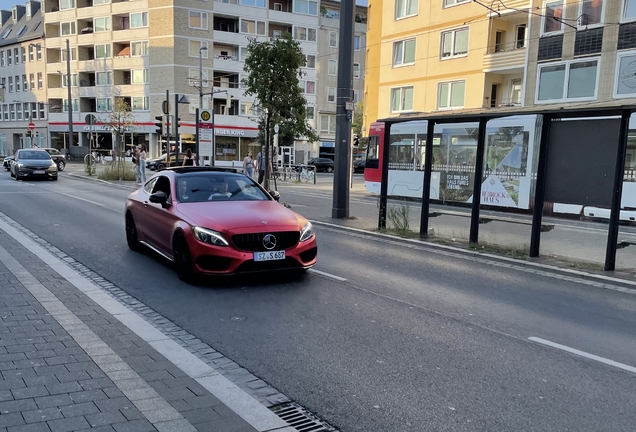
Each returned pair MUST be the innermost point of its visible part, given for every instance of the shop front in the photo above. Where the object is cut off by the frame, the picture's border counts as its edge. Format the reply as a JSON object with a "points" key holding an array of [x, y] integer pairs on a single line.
{"points": [[232, 143]]}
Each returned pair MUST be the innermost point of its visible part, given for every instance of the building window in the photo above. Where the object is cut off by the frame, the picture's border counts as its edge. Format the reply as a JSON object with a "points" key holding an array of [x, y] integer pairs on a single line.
{"points": [[25, 83], [140, 76], [195, 48], [12, 111], [9, 58], [552, 15], [311, 112], [103, 78], [42, 115], [405, 8], [451, 94], [3, 58], [16, 55], [40, 85], [515, 91], [73, 80], [18, 111], [328, 123], [100, 2], [31, 51], [104, 104], [454, 2], [63, 54], [140, 19], [248, 109], [67, 28], [333, 39], [26, 110], [32, 81], [629, 10], [34, 109], [255, 3], [356, 70], [39, 51], [23, 52], [332, 68], [404, 52], [140, 48], [573, 80], [310, 87], [17, 83], [331, 94], [140, 104], [401, 99], [65, 105], [67, 4], [590, 13], [310, 61], [305, 34], [101, 24], [454, 43], [520, 36], [307, 7], [625, 74], [356, 96], [198, 20], [252, 27], [10, 84], [103, 51], [195, 80]]}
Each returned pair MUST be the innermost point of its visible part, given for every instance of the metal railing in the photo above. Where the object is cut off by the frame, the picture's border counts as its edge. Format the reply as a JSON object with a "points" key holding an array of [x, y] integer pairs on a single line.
{"points": [[506, 47]]}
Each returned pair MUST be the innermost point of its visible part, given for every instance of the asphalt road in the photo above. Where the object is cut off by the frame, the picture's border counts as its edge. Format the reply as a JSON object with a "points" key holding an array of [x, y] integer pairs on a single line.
{"points": [[412, 341]]}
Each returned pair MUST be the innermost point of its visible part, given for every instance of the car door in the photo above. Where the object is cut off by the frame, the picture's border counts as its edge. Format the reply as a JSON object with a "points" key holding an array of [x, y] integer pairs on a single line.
{"points": [[161, 221], [140, 210]]}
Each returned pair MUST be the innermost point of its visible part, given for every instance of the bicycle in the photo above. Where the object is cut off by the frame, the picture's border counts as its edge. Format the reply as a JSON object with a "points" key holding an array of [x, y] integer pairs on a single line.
{"points": [[89, 159], [307, 175]]}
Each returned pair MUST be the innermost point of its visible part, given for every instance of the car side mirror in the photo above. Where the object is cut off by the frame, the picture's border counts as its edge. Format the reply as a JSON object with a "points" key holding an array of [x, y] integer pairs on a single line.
{"points": [[275, 194], [159, 198]]}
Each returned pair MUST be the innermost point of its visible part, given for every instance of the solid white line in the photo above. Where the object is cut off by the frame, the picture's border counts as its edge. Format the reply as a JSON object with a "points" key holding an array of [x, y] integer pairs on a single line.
{"points": [[327, 275], [82, 199], [584, 354]]}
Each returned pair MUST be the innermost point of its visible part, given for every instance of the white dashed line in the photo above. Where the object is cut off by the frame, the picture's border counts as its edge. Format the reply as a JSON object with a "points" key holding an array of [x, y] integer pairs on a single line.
{"points": [[327, 275]]}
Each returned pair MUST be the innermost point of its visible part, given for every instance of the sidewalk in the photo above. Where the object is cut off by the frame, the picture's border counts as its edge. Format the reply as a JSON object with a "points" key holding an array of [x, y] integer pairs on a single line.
{"points": [[72, 358]]}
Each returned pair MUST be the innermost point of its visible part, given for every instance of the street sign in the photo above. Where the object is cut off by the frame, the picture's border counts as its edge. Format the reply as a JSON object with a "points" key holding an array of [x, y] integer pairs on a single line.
{"points": [[349, 106], [165, 107], [205, 115], [90, 119], [31, 126], [276, 128]]}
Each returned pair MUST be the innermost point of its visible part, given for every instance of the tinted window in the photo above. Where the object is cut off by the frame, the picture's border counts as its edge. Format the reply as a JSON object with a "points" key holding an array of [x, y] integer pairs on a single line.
{"points": [[201, 187], [33, 155], [54, 152], [150, 184]]}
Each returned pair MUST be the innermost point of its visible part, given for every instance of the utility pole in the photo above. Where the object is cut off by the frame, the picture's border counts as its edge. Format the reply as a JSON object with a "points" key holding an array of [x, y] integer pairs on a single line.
{"points": [[70, 95], [342, 163], [201, 49], [176, 127], [168, 146]]}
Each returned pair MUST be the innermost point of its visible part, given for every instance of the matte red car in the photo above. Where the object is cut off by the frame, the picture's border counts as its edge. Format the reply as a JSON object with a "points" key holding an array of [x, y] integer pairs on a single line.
{"points": [[216, 221]]}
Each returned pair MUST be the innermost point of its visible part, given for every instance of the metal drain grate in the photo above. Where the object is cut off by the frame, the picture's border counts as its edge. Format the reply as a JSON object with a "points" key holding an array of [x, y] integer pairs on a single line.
{"points": [[301, 419]]}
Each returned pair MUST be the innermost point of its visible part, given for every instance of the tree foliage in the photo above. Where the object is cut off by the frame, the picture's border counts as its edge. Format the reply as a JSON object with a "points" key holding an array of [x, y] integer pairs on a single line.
{"points": [[358, 121], [274, 71], [119, 121]]}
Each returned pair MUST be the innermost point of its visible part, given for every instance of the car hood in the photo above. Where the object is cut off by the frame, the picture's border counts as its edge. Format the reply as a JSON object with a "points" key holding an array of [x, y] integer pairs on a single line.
{"points": [[36, 162], [241, 216]]}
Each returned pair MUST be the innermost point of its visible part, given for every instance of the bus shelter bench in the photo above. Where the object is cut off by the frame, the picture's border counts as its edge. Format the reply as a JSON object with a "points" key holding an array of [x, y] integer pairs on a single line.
{"points": [[483, 219]]}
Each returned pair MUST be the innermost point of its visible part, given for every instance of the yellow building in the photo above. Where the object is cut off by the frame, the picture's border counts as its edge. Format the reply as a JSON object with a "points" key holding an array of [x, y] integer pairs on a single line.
{"points": [[432, 55]]}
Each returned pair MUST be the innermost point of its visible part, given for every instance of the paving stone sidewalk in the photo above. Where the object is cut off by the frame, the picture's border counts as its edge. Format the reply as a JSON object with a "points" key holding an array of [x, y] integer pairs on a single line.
{"points": [[68, 365]]}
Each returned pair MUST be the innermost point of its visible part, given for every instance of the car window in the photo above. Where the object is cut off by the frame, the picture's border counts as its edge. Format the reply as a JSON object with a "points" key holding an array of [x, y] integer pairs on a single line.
{"points": [[201, 187], [150, 184], [33, 155], [162, 185], [55, 152]]}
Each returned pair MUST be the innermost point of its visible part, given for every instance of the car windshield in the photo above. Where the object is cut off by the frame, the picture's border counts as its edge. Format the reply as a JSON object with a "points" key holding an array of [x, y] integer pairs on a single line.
{"points": [[33, 155], [217, 186]]}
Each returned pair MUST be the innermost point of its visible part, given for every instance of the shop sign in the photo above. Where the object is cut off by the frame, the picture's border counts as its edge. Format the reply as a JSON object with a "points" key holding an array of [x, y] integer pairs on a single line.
{"points": [[229, 132]]}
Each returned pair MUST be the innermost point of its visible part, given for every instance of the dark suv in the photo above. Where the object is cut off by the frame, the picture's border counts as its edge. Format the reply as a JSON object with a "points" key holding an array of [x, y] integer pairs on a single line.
{"points": [[57, 157], [322, 164]]}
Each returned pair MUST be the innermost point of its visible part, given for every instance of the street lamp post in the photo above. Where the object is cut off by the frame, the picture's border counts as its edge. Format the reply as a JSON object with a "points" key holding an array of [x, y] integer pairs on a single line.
{"points": [[70, 95], [201, 49]]}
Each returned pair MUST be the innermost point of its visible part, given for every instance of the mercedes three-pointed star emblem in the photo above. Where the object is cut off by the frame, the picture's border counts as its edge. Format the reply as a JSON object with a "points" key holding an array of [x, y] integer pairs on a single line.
{"points": [[269, 241]]}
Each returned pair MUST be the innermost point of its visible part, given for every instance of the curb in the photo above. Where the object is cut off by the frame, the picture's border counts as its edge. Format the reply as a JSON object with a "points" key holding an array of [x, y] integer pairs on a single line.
{"points": [[91, 179], [630, 285]]}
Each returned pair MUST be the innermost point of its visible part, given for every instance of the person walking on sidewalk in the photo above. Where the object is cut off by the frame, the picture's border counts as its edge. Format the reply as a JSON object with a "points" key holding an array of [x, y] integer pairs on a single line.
{"points": [[142, 163], [135, 160], [248, 165], [260, 165], [188, 160]]}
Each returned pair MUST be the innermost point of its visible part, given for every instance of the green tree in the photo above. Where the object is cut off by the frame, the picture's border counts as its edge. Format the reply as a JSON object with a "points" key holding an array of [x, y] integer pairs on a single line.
{"points": [[119, 121], [274, 71]]}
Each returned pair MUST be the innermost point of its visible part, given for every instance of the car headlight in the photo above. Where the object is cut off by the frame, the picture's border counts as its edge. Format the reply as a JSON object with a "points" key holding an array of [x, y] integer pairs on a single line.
{"points": [[307, 232], [208, 236]]}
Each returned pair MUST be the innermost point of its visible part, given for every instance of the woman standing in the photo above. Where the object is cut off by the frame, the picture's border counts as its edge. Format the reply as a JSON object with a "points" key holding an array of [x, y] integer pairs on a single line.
{"points": [[248, 165], [142, 163], [189, 159]]}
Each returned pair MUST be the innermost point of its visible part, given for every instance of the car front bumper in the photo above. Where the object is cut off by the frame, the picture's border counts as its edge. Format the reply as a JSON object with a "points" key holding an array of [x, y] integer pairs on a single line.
{"points": [[27, 172]]}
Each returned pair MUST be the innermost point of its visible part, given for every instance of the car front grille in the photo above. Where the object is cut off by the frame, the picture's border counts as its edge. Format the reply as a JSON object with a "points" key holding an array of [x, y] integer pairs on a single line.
{"points": [[254, 242]]}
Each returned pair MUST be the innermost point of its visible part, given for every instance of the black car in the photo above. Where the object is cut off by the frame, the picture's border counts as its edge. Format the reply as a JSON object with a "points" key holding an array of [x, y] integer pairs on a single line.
{"points": [[358, 166], [160, 163], [33, 163], [322, 164], [7, 162], [57, 157]]}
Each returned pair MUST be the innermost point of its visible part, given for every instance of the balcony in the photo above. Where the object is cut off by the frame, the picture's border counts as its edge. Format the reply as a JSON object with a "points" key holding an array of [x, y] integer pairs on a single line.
{"points": [[510, 7], [505, 58]]}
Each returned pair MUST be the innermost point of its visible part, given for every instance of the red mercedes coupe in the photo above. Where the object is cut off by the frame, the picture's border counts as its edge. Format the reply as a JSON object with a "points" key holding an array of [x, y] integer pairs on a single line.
{"points": [[214, 221]]}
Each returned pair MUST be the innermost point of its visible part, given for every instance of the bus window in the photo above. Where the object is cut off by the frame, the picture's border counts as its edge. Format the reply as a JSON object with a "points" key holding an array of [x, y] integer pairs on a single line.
{"points": [[372, 152]]}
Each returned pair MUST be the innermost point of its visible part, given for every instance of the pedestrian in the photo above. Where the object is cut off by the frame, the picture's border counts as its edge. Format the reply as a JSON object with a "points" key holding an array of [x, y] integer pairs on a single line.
{"points": [[189, 159], [142, 163], [135, 160], [248, 164], [260, 165]]}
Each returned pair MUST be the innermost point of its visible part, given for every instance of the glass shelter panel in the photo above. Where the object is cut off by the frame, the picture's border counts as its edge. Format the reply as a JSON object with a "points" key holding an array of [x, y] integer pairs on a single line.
{"points": [[626, 253]]}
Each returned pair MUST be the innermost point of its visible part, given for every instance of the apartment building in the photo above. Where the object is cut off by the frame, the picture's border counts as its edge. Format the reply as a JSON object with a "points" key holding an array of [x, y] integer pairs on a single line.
{"points": [[327, 67], [138, 49], [22, 71]]}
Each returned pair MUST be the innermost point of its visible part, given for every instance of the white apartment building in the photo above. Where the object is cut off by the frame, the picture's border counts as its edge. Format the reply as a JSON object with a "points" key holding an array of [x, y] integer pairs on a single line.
{"points": [[327, 66], [22, 69]]}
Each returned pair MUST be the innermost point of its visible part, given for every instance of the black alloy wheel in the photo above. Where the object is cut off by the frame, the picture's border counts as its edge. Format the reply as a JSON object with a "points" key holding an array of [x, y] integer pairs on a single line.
{"points": [[131, 233], [182, 258], [329, 169], [160, 167], [61, 165]]}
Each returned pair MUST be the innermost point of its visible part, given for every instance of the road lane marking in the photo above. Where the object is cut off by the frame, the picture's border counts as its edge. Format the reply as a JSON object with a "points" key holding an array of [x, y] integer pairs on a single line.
{"points": [[327, 275], [584, 354]]}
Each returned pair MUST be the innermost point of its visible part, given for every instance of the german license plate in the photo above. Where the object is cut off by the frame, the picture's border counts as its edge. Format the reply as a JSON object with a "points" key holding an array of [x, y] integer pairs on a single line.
{"points": [[38, 172], [269, 256]]}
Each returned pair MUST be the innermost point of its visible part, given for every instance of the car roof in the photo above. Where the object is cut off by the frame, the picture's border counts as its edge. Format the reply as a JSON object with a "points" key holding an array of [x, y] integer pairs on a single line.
{"points": [[32, 150], [197, 169]]}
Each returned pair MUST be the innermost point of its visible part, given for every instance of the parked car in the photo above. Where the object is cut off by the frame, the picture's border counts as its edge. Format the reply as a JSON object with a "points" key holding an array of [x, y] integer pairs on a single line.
{"points": [[214, 221], [57, 157], [160, 163], [7, 162], [358, 166], [33, 163], [322, 164]]}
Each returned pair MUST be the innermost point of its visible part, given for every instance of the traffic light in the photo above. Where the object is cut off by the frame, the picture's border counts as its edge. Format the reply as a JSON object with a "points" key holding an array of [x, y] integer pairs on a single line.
{"points": [[30, 133], [356, 140], [159, 124]]}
